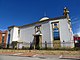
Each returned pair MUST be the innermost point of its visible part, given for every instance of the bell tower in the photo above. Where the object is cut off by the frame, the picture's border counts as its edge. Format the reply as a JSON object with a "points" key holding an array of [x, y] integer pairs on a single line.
{"points": [[66, 13]]}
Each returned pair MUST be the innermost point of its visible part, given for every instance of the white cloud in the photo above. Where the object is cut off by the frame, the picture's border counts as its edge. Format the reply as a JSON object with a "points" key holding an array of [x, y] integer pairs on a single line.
{"points": [[78, 33]]}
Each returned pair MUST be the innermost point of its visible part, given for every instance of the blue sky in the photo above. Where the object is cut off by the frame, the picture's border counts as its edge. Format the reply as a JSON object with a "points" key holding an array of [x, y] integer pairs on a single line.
{"points": [[20, 12]]}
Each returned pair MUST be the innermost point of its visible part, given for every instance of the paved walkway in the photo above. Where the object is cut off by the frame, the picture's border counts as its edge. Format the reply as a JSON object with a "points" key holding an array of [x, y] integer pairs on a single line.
{"points": [[30, 54], [3, 57], [69, 57]]}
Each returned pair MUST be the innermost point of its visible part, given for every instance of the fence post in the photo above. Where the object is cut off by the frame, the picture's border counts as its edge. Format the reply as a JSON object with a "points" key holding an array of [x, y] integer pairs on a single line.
{"points": [[63, 43], [30, 45], [45, 44], [34, 45]]}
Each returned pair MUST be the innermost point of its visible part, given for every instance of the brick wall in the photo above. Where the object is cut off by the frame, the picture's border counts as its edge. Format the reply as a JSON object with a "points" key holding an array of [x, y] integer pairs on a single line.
{"points": [[0, 37], [5, 38]]}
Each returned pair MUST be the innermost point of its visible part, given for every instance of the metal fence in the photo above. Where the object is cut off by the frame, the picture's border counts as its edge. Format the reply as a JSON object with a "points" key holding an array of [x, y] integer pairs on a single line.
{"points": [[17, 45]]}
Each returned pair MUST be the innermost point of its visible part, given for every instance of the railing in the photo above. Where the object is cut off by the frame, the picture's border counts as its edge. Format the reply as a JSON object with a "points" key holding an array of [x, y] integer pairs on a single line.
{"points": [[56, 45]]}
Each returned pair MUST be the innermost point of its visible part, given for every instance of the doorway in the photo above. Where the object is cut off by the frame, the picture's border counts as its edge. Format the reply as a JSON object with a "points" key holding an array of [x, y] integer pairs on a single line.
{"points": [[37, 41]]}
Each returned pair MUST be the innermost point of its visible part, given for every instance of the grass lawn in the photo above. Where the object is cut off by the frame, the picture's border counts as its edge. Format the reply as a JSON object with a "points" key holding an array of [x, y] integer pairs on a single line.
{"points": [[44, 52]]}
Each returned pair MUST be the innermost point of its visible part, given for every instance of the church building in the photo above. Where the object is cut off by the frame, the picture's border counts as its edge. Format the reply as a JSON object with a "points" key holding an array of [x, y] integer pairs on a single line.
{"points": [[47, 32]]}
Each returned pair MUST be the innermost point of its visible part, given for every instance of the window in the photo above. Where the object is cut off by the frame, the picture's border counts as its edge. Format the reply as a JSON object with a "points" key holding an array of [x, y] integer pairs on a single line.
{"points": [[18, 33], [56, 35], [2, 41], [55, 24], [38, 29], [55, 29], [3, 35], [8, 39]]}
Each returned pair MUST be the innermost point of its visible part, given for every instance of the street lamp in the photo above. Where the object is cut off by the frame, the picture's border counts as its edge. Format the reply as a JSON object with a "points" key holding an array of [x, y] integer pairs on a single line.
{"points": [[3, 35]]}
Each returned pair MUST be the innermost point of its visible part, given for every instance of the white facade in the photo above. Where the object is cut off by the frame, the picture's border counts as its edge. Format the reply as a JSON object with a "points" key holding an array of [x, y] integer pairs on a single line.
{"points": [[13, 34], [27, 33], [66, 33]]}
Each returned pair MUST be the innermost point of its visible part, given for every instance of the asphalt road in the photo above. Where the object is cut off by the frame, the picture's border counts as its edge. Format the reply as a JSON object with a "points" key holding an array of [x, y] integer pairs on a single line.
{"points": [[3, 57]]}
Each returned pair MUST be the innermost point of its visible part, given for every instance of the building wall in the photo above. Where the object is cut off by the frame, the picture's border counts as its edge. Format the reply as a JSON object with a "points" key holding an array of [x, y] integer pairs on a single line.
{"points": [[45, 29], [5, 38], [65, 33], [26, 34], [15, 34], [11, 35], [0, 37], [51, 32]]}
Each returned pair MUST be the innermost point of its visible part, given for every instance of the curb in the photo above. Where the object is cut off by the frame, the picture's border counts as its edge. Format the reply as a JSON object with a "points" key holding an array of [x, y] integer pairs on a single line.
{"points": [[69, 57], [37, 55]]}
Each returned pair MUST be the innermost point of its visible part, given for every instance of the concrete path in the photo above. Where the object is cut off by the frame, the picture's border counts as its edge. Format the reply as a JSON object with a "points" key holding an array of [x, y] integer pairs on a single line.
{"points": [[2, 57], [41, 56], [69, 57]]}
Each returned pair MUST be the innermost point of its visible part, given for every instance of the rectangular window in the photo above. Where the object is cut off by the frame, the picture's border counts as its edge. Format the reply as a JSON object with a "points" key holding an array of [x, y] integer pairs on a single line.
{"points": [[56, 35], [55, 24], [55, 27], [18, 33]]}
